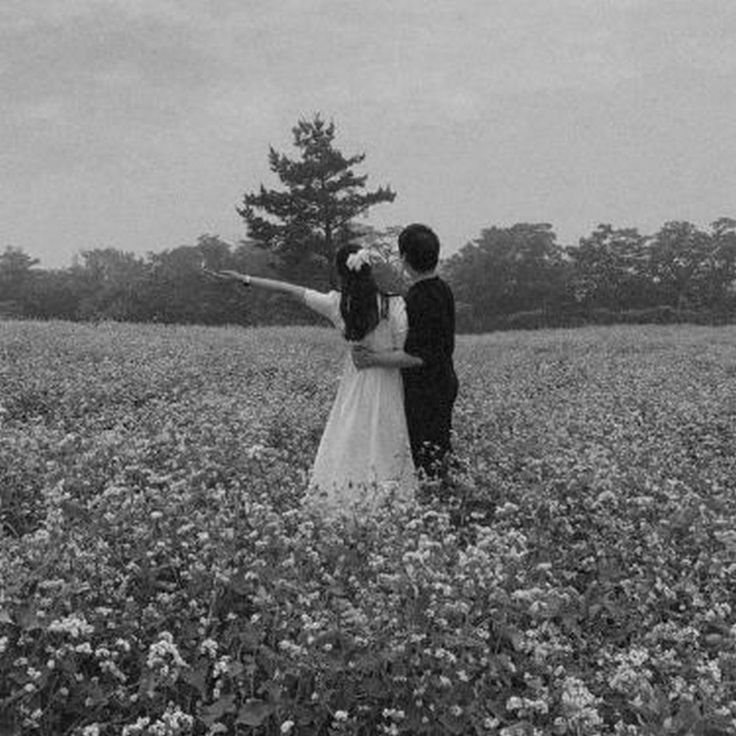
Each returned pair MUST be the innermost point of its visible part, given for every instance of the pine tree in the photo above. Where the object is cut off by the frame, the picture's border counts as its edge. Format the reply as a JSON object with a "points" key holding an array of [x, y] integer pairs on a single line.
{"points": [[309, 220]]}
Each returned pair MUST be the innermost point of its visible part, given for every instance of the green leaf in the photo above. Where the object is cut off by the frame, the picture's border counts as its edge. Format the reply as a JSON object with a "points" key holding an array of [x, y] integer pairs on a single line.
{"points": [[520, 728], [197, 676], [373, 686], [254, 712], [27, 620], [272, 689], [452, 725], [250, 636], [96, 694], [217, 710], [235, 668]]}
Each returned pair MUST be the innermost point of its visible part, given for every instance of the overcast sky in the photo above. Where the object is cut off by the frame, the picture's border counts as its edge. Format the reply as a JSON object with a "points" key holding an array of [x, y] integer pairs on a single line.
{"points": [[139, 124]]}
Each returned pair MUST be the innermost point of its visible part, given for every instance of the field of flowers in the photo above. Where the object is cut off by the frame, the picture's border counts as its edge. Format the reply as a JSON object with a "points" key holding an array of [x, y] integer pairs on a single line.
{"points": [[158, 575]]}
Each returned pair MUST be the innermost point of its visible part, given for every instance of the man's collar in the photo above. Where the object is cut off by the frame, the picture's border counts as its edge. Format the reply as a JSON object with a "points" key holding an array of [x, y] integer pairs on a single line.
{"points": [[424, 277]]}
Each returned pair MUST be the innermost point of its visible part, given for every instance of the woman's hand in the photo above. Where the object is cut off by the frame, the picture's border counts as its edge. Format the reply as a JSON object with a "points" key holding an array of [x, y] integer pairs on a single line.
{"points": [[228, 275]]}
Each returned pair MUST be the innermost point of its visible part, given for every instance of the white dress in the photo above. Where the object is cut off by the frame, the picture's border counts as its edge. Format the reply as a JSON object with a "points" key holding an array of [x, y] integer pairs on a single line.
{"points": [[364, 454]]}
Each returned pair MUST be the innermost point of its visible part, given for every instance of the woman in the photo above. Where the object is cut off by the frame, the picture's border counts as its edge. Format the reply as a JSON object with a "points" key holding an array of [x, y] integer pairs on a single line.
{"points": [[364, 454]]}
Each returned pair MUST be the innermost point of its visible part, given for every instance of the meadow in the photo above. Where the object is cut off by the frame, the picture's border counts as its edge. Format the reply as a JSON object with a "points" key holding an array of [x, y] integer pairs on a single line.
{"points": [[158, 575]]}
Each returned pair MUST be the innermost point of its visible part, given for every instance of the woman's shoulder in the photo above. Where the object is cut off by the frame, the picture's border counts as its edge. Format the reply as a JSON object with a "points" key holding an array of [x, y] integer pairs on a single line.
{"points": [[322, 296], [326, 303]]}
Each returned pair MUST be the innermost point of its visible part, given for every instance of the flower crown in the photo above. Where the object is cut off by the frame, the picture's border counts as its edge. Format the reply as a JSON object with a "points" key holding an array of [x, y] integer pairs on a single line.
{"points": [[356, 261]]}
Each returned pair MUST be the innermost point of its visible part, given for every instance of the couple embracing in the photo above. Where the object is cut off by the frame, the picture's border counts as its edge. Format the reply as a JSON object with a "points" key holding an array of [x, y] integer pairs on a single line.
{"points": [[391, 418]]}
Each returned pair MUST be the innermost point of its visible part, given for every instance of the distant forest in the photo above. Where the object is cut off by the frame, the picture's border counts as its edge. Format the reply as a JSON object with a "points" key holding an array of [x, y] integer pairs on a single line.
{"points": [[515, 277]]}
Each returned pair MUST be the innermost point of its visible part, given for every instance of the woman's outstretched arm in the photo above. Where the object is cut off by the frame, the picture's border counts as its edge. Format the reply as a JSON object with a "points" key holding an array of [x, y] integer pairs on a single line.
{"points": [[272, 284]]}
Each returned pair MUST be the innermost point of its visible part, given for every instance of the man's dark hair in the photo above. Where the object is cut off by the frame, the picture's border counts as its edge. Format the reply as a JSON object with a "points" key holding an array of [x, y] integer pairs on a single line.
{"points": [[420, 246]]}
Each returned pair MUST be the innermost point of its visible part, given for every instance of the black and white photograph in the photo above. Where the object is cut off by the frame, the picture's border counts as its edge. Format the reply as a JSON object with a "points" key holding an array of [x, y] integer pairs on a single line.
{"points": [[368, 368]]}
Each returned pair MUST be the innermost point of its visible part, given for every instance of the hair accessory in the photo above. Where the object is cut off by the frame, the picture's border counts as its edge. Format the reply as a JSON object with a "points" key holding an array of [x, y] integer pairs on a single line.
{"points": [[356, 261]]}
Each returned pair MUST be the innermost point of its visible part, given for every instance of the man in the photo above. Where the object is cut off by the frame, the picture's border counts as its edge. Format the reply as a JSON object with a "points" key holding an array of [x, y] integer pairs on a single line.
{"points": [[430, 382]]}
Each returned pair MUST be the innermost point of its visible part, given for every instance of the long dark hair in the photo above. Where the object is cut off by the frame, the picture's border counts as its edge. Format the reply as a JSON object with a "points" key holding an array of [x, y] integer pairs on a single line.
{"points": [[358, 303]]}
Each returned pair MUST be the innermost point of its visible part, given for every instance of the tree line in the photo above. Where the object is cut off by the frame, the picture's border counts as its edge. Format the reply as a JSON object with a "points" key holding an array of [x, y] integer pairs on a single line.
{"points": [[520, 276], [508, 277], [166, 287]]}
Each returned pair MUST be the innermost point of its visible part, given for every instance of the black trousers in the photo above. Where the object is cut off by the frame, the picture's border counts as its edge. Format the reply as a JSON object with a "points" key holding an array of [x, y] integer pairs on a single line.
{"points": [[429, 420]]}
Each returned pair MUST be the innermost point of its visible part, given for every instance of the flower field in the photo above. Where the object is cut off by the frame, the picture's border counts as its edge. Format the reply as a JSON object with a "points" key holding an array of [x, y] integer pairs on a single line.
{"points": [[158, 575]]}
